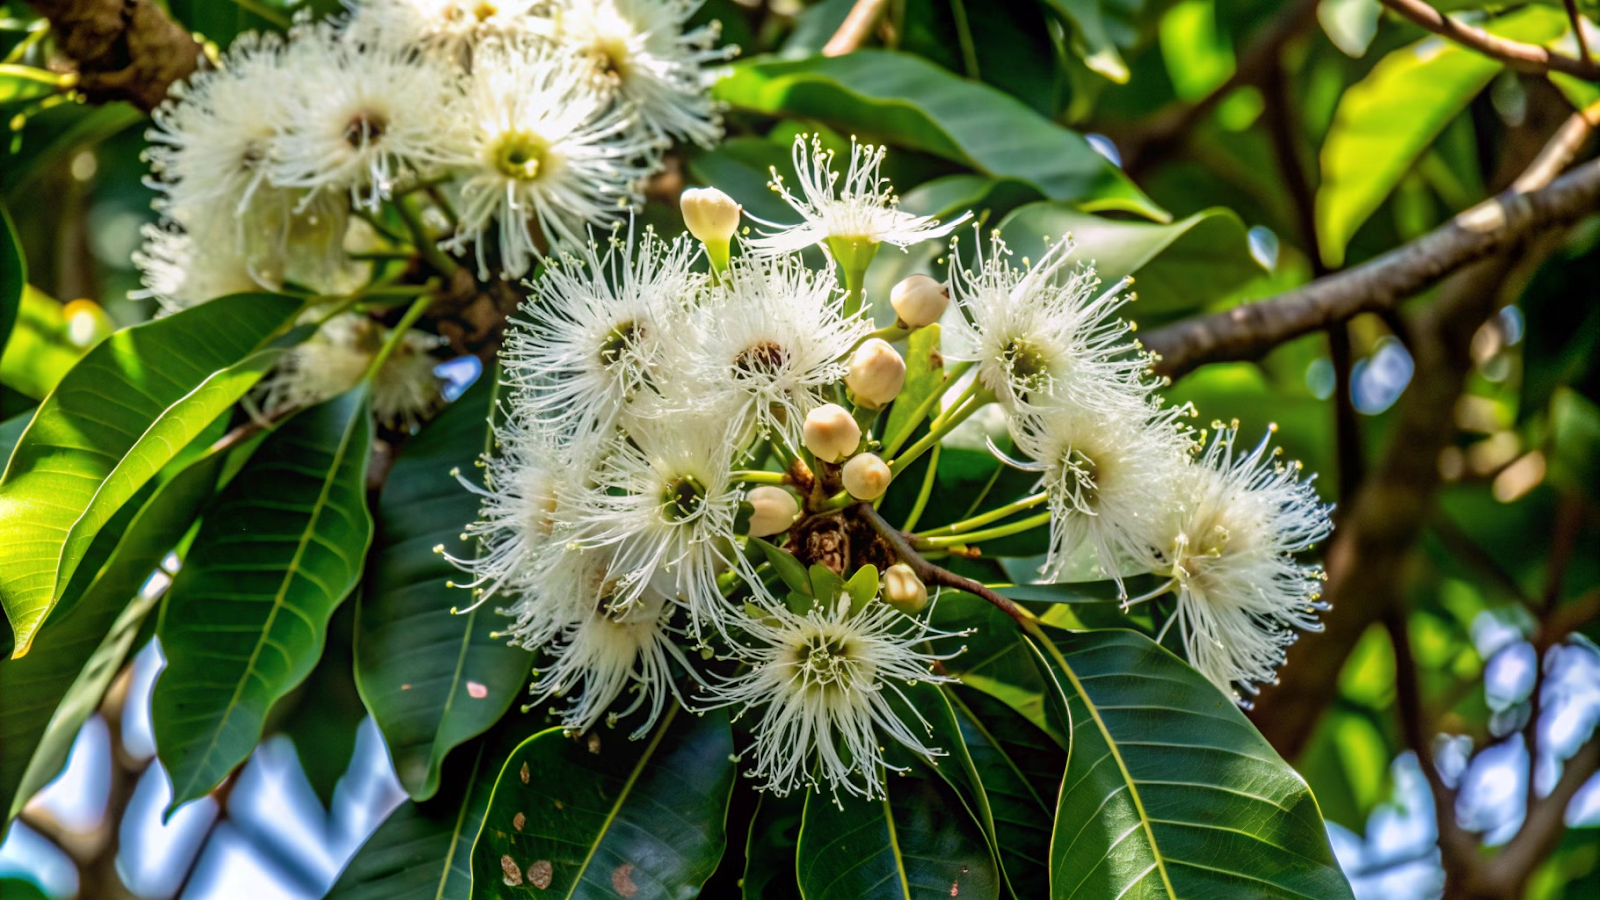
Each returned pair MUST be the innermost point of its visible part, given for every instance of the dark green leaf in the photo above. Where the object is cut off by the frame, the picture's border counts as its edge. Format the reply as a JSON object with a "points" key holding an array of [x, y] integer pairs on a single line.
{"points": [[789, 569], [49, 694], [327, 710], [1084, 591], [997, 661], [1020, 767], [1181, 267], [17, 889], [770, 852], [245, 620], [1169, 790], [918, 842], [113, 422], [602, 816], [432, 679], [906, 101]]}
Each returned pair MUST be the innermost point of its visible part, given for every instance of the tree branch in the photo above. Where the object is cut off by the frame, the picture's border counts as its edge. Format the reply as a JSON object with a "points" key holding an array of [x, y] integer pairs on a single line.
{"points": [[123, 49], [1527, 208], [857, 25], [932, 574], [1530, 58]]}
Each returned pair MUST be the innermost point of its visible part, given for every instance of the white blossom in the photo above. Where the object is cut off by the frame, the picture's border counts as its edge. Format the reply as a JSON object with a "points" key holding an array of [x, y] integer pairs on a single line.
{"points": [[333, 361], [641, 53], [179, 272], [541, 149], [1230, 542], [821, 683], [452, 27], [862, 210]]}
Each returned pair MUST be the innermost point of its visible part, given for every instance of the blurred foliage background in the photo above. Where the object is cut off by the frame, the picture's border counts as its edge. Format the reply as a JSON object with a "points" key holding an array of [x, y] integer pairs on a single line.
{"points": [[1256, 145]]}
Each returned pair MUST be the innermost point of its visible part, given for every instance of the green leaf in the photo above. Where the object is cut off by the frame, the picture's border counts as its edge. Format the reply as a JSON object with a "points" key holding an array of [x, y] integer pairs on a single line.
{"points": [[51, 693], [997, 661], [1098, 28], [949, 196], [432, 679], [13, 276], [602, 816], [769, 854], [113, 422], [956, 766], [244, 621], [326, 710], [18, 889], [924, 379], [1384, 122], [47, 339], [917, 842], [1083, 591], [21, 83], [1020, 768], [1181, 267], [1169, 790], [907, 101], [423, 851], [789, 569]]}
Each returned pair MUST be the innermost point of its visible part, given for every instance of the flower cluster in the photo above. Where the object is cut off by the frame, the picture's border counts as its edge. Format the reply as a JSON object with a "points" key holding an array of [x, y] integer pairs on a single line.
{"points": [[691, 440], [489, 129]]}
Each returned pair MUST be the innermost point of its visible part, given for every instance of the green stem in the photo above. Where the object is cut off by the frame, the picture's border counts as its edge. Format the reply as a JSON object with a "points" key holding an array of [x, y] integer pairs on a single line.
{"points": [[36, 33], [398, 335], [894, 444], [891, 334], [954, 540], [942, 426], [427, 247], [755, 476], [993, 515], [926, 491]]}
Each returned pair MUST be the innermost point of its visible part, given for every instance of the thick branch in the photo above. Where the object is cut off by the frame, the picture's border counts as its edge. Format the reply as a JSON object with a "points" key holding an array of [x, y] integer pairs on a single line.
{"points": [[123, 49], [932, 574], [857, 25], [1530, 58], [1492, 226]]}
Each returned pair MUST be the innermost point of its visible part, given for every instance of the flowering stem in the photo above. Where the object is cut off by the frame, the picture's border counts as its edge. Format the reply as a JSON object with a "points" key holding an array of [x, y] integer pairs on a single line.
{"points": [[922, 495], [854, 255], [427, 247], [754, 476], [934, 575], [891, 334], [993, 515], [940, 427], [1018, 527], [398, 335], [921, 412]]}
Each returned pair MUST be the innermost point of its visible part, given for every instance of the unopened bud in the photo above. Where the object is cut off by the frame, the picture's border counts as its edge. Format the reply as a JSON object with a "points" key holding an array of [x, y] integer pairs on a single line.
{"points": [[866, 476], [775, 510], [831, 433], [903, 590], [877, 373], [710, 215], [919, 300]]}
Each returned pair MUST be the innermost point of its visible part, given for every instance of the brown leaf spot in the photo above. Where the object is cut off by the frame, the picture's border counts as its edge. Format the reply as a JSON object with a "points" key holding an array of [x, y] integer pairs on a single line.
{"points": [[622, 880], [539, 873], [594, 742], [524, 773], [560, 805], [513, 875], [518, 820]]}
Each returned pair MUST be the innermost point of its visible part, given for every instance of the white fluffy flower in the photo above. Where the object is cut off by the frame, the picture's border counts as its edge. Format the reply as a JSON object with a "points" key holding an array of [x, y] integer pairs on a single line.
{"points": [[822, 683], [540, 146], [333, 361], [771, 342], [1108, 480], [180, 272], [664, 503], [366, 115], [607, 648], [452, 27], [1045, 330], [1230, 543], [861, 211], [640, 53], [594, 333]]}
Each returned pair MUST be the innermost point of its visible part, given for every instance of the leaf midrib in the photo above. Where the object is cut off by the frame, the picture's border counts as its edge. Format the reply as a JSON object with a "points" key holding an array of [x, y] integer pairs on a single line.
{"points": [[278, 600], [622, 797]]}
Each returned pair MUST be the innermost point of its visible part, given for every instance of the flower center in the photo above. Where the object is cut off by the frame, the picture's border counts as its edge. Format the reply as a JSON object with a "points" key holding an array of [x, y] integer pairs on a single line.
{"points": [[1027, 363], [826, 663], [761, 358], [683, 498], [1086, 472], [485, 11], [619, 340], [365, 127], [520, 155], [609, 56]]}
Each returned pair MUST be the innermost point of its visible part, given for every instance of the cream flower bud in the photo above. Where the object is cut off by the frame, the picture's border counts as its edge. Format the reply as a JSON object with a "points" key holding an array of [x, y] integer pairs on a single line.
{"points": [[775, 510], [877, 373], [831, 433], [903, 590], [919, 300], [709, 214], [866, 476]]}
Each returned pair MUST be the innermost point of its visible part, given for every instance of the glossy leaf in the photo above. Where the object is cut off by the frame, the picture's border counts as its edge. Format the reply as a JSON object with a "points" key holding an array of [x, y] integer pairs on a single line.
{"points": [[997, 661], [1385, 122], [1180, 267], [51, 693], [918, 842], [113, 422], [326, 711], [13, 276], [47, 339], [1169, 790], [924, 379], [770, 851], [907, 101], [1098, 29], [432, 679], [1084, 591], [244, 621], [603, 816]]}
